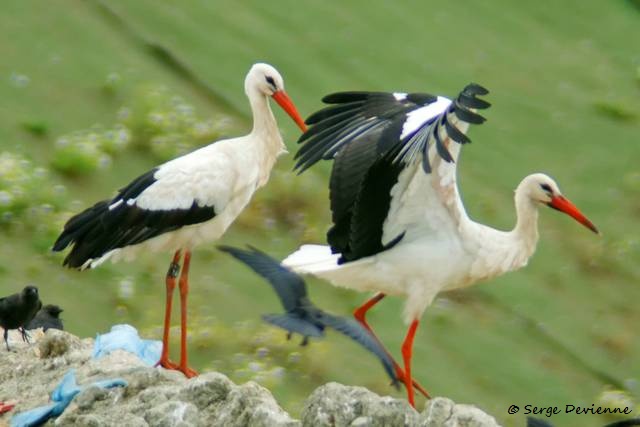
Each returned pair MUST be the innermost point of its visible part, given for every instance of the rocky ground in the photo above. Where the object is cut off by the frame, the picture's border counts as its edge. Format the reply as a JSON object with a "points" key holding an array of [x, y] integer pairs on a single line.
{"points": [[157, 397]]}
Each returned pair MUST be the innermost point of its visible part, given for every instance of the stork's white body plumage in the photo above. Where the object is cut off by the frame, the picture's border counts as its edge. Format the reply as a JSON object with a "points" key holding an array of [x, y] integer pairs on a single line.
{"points": [[185, 202], [224, 175], [425, 243], [442, 248]]}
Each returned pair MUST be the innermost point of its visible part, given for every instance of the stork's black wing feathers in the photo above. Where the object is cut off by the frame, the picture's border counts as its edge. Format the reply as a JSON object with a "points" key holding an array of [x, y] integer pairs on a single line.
{"points": [[353, 115], [292, 323], [442, 150], [332, 111], [364, 133], [137, 186], [359, 334], [100, 229], [467, 115], [349, 170], [369, 211], [80, 223], [344, 97], [290, 287]]}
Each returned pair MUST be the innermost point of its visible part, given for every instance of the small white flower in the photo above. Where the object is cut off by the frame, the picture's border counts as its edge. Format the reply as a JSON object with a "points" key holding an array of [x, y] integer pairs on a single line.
{"points": [[19, 80], [5, 198]]}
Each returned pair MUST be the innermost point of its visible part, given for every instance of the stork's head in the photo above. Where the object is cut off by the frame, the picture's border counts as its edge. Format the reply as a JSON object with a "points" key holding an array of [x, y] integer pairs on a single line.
{"points": [[266, 80], [541, 188]]}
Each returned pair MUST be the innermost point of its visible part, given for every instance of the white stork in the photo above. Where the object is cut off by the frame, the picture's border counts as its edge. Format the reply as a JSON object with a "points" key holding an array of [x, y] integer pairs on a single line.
{"points": [[185, 202], [399, 225]]}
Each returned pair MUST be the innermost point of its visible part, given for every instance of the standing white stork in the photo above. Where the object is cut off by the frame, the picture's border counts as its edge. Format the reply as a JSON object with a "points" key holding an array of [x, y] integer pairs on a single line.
{"points": [[185, 202], [399, 225]]}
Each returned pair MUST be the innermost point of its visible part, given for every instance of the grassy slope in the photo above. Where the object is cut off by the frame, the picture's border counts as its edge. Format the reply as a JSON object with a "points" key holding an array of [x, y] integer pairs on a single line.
{"points": [[550, 66]]}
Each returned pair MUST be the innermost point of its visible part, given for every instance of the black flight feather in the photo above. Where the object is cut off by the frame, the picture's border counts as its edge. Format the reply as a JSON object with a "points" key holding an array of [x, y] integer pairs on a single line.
{"points": [[99, 229]]}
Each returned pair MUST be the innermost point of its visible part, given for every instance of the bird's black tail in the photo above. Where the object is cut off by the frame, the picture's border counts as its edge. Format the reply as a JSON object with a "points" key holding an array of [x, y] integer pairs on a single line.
{"points": [[80, 229]]}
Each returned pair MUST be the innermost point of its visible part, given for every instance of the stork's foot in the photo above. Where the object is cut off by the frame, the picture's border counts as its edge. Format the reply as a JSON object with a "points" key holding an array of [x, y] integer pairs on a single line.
{"points": [[187, 371], [401, 378], [168, 364]]}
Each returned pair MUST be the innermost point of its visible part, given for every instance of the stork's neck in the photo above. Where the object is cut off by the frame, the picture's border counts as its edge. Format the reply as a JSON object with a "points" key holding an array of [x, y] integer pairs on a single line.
{"points": [[265, 135], [500, 251], [525, 233], [265, 128]]}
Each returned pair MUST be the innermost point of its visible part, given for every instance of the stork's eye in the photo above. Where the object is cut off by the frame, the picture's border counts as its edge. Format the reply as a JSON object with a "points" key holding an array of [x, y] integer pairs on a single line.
{"points": [[547, 188], [270, 80]]}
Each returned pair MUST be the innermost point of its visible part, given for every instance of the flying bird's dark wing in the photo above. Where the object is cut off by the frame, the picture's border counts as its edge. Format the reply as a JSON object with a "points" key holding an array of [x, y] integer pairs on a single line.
{"points": [[289, 286], [359, 334], [293, 323]]}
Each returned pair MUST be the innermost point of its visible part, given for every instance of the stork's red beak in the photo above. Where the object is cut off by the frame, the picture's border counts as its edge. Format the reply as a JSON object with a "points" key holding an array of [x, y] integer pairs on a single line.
{"points": [[286, 103], [563, 205]]}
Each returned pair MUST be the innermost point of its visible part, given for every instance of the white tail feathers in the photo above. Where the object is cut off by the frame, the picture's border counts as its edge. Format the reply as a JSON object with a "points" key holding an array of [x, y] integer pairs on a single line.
{"points": [[312, 259]]}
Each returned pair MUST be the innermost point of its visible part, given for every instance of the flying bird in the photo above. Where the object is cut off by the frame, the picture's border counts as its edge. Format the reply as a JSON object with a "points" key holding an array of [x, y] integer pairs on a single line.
{"points": [[302, 316], [399, 224], [185, 202], [47, 318], [17, 310]]}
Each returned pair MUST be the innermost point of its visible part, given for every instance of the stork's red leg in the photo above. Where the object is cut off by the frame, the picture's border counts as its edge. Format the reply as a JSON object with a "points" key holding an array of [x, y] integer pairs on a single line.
{"points": [[361, 312], [184, 291], [407, 352], [174, 269], [360, 315]]}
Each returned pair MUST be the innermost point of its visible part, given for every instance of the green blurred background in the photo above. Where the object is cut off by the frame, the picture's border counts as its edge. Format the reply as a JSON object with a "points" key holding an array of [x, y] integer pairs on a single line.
{"points": [[92, 94]]}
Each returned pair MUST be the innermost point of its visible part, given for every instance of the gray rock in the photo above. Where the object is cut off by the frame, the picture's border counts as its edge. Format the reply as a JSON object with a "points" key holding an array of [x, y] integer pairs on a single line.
{"points": [[334, 404], [157, 397], [207, 389], [174, 413], [88, 396], [443, 412], [250, 405], [337, 405], [57, 343]]}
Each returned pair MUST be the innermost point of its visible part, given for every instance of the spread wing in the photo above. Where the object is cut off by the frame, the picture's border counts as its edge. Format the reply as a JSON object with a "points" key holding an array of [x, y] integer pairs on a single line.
{"points": [[394, 163], [290, 287], [359, 334], [293, 323]]}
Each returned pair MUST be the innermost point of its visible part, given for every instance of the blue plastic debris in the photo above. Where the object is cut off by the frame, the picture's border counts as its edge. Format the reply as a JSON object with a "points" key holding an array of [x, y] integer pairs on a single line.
{"points": [[125, 337], [61, 397]]}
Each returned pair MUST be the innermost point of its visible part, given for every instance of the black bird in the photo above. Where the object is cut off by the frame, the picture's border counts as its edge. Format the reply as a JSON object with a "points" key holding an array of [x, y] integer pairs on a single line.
{"points": [[302, 316], [47, 318], [17, 310]]}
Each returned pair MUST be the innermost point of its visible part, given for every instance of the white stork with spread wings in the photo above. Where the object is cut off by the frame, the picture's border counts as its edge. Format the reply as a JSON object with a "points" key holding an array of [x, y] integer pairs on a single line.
{"points": [[399, 225]]}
